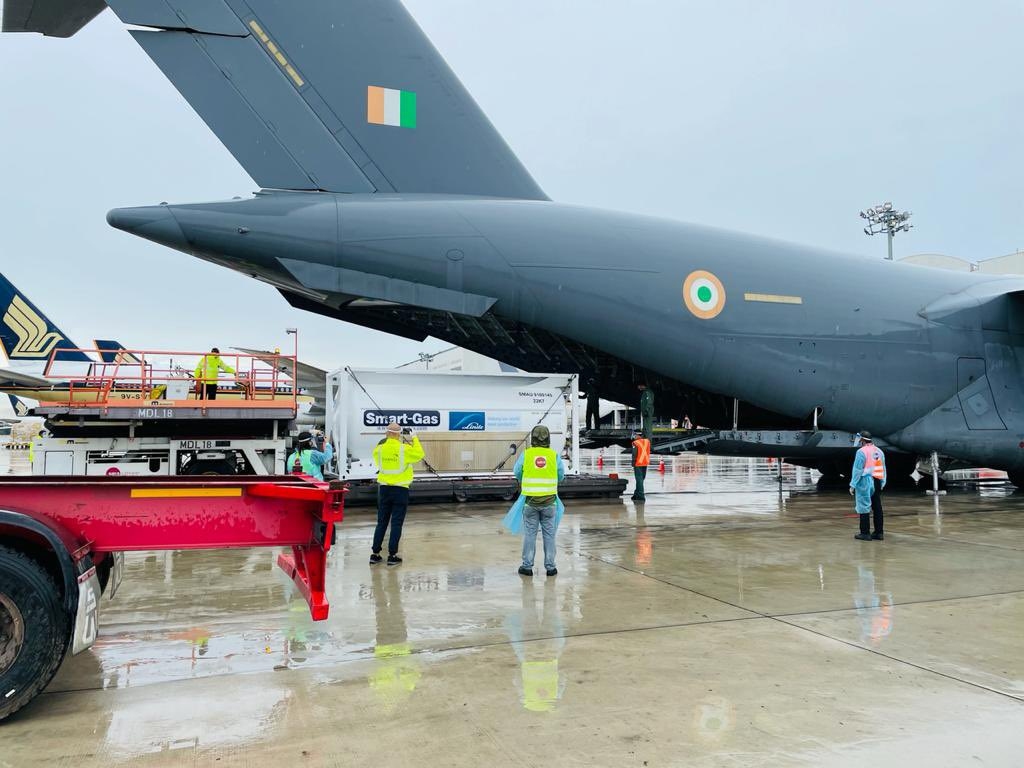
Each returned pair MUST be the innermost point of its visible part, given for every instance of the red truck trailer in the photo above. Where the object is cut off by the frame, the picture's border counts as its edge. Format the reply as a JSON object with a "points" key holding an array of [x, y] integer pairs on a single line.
{"points": [[61, 540]]}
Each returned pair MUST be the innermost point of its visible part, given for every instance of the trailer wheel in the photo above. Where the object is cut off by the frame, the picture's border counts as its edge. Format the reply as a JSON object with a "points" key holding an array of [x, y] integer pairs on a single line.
{"points": [[210, 467], [33, 630]]}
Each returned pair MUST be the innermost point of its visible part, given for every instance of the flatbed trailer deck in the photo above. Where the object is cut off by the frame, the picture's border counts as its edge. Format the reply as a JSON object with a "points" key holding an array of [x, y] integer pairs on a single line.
{"points": [[60, 539]]}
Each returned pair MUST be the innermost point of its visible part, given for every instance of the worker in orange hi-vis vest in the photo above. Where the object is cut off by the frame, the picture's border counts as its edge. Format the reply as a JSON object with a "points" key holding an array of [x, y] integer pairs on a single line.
{"points": [[866, 482], [641, 459]]}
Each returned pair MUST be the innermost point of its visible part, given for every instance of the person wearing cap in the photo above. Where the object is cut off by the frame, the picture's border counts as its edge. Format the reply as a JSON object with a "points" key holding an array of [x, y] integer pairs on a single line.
{"points": [[539, 470], [307, 459], [207, 370], [640, 457], [867, 479], [394, 457]]}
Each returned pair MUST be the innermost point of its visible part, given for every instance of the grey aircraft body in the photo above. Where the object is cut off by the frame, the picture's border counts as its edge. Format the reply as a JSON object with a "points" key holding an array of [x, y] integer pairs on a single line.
{"points": [[390, 201]]}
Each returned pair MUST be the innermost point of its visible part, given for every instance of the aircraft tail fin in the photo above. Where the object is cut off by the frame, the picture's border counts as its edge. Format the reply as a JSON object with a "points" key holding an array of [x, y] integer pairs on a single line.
{"points": [[54, 18], [337, 95], [26, 334], [114, 352], [20, 407]]}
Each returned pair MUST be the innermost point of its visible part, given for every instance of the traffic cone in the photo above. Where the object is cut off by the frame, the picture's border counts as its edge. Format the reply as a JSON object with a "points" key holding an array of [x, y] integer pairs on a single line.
{"points": [[661, 466], [600, 459]]}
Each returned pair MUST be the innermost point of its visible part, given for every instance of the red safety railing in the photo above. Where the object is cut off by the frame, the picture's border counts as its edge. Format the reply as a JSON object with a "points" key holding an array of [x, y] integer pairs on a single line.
{"points": [[170, 378]]}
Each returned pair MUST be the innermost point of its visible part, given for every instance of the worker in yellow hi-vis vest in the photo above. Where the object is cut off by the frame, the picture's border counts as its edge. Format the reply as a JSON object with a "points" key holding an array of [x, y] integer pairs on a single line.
{"points": [[394, 458], [539, 471], [207, 370]]}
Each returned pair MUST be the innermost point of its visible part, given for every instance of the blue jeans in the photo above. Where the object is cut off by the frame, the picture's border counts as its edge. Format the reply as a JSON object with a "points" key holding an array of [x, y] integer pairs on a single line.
{"points": [[545, 517]]}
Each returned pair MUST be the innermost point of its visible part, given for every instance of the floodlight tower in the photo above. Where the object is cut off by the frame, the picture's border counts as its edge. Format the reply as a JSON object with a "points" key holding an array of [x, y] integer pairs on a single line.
{"points": [[882, 218]]}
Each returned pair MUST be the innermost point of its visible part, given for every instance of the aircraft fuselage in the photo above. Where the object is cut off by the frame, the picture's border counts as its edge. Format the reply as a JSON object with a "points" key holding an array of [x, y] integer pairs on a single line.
{"points": [[926, 358]]}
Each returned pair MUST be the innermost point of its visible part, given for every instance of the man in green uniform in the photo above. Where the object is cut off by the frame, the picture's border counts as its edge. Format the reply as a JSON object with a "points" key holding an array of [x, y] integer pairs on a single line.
{"points": [[646, 410]]}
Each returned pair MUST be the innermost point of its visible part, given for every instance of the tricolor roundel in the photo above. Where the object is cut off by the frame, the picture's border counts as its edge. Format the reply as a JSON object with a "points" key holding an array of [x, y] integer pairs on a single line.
{"points": [[540, 462], [704, 294]]}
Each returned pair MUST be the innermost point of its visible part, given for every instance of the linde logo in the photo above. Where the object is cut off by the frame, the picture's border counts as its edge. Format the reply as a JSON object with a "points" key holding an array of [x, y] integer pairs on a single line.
{"points": [[402, 418], [467, 421]]}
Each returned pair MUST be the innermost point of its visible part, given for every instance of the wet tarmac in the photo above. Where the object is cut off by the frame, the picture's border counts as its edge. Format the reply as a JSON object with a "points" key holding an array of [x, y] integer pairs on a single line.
{"points": [[720, 623]]}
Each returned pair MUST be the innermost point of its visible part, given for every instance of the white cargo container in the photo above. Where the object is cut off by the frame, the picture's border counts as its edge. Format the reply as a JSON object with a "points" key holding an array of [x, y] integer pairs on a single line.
{"points": [[469, 423]]}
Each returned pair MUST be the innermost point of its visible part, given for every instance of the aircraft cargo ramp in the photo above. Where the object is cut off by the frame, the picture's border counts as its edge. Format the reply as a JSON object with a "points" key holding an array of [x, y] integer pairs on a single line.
{"points": [[828, 450]]}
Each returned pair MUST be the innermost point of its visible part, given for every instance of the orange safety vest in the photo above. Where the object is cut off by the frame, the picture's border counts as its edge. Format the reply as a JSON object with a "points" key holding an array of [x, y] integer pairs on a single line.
{"points": [[643, 452], [873, 462]]}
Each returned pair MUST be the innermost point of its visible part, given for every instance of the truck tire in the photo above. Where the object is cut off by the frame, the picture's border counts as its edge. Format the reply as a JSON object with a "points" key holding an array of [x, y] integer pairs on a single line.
{"points": [[34, 630], [210, 467]]}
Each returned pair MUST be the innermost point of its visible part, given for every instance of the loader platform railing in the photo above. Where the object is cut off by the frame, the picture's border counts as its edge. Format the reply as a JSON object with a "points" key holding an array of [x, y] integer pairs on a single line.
{"points": [[167, 378]]}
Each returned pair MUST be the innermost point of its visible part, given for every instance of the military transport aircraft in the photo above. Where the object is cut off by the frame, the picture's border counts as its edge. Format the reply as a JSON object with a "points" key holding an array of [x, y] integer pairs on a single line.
{"points": [[390, 201]]}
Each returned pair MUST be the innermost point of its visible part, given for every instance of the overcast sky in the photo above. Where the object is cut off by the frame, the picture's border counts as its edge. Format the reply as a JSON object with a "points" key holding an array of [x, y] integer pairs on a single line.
{"points": [[776, 118]]}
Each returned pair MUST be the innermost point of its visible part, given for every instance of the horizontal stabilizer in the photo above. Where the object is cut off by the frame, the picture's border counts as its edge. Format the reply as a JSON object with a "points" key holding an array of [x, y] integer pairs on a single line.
{"points": [[213, 17], [336, 95], [17, 380], [54, 18], [309, 377]]}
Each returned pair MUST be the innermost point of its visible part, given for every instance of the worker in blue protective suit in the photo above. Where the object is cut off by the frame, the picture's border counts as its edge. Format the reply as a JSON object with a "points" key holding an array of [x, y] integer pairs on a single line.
{"points": [[867, 478], [307, 460]]}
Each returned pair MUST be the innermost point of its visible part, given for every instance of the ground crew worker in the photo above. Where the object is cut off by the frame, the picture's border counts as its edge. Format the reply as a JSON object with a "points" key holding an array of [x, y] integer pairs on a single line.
{"points": [[310, 461], [646, 410], [641, 458], [394, 458], [593, 403], [867, 479], [539, 470], [206, 372]]}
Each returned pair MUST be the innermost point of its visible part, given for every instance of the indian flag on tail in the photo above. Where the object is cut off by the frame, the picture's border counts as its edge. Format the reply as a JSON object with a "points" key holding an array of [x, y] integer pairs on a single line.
{"points": [[386, 106]]}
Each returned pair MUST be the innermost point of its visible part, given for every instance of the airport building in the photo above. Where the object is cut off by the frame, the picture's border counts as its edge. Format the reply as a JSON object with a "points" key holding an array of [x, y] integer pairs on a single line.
{"points": [[1010, 264]]}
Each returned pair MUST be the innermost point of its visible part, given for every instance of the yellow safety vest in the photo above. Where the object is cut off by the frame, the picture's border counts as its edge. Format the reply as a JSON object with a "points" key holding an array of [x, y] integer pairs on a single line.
{"points": [[207, 369], [540, 472], [394, 460]]}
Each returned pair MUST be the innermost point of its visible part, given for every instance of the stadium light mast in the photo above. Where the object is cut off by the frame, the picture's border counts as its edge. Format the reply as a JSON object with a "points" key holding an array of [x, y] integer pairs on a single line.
{"points": [[883, 218]]}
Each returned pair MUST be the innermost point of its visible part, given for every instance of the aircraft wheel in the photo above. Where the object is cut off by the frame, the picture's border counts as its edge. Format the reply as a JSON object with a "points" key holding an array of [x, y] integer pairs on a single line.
{"points": [[34, 630]]}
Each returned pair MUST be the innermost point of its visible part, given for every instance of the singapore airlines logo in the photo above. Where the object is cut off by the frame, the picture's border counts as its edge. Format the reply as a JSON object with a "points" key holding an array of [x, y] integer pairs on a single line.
{"points": [[30, 328], [21, 409]]}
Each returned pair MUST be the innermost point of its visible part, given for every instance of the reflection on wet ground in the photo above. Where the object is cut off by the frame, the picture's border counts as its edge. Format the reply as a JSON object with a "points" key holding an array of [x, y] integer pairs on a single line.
{"points": [[736, 624]]}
